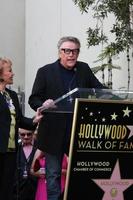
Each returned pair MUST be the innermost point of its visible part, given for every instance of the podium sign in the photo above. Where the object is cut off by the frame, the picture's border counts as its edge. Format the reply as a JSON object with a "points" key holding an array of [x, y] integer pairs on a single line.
{"points": [[100, 163], [101, 151]]}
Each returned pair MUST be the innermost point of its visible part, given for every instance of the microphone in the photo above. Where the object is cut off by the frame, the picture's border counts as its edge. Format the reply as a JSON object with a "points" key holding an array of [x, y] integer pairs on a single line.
{"points": [[70, 84], [75, 69]]}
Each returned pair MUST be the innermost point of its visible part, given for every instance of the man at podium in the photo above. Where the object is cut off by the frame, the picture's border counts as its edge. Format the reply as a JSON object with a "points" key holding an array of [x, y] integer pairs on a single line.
{"points": [[52, 81]]}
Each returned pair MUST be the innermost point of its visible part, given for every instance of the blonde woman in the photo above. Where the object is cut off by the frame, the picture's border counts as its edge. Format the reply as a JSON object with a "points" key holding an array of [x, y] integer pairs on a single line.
{"points": [[11, 119]]}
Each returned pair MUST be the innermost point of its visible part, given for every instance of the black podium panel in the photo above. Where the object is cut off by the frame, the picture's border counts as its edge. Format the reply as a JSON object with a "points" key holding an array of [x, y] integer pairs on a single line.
{"points": [[101, 151]]}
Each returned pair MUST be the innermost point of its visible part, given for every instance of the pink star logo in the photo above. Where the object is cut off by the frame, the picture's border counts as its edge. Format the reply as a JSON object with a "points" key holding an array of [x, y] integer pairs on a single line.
{"points": [[131, 131], [114, 186]]}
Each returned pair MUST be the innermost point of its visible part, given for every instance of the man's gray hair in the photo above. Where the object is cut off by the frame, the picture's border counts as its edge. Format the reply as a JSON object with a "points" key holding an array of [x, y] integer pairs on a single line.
{"points": [[68, 39]]}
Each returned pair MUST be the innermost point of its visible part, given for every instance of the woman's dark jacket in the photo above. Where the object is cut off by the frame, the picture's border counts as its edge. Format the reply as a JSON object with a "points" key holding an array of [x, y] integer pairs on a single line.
{"points": [[5, 120]]}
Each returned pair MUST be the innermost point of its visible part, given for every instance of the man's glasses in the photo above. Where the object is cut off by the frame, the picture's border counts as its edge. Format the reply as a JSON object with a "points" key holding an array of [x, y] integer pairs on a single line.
{"points": [[68, 51], [24, 134]]}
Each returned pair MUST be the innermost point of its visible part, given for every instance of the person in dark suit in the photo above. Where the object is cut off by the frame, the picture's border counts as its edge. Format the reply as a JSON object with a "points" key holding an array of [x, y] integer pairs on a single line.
{"points": [[54, 131], [11, 119]]}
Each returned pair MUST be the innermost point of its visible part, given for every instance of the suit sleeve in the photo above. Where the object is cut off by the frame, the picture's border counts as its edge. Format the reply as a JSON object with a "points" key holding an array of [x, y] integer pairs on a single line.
{"points": [[22, 121], [36, 98]]}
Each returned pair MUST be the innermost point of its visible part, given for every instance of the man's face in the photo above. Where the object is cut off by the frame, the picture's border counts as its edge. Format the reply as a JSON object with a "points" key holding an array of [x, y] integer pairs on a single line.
{"points": [[26, 136], [68, 54]]}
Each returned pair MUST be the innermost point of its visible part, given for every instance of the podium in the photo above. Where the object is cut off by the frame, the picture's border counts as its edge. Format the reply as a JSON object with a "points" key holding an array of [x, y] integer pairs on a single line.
{"points": [[101, 148]]}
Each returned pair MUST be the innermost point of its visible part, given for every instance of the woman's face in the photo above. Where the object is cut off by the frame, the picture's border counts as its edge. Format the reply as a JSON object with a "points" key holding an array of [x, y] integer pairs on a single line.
{"points": [[7, 73]]}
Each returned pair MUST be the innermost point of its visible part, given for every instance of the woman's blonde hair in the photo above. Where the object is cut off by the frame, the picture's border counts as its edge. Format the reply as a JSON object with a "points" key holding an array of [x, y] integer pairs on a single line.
{"points": [[4, 61]]}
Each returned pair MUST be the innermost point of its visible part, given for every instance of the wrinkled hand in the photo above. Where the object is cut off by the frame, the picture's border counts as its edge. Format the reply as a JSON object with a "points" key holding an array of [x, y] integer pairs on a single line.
{"points": [[49, 104], [38, 116]]}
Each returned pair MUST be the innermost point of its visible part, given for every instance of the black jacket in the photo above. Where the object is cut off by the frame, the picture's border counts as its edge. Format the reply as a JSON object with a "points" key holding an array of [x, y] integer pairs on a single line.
{"points": [[24, 187], [5, 120], [48, 84]]}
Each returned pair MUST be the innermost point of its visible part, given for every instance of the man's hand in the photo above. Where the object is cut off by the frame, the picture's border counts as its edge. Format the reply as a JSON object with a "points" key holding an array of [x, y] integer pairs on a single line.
{"points": [[49, 104]]}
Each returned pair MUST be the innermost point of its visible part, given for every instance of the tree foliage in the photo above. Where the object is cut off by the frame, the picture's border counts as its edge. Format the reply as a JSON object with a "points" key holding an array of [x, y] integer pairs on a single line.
{"points": [[121, 29]]}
